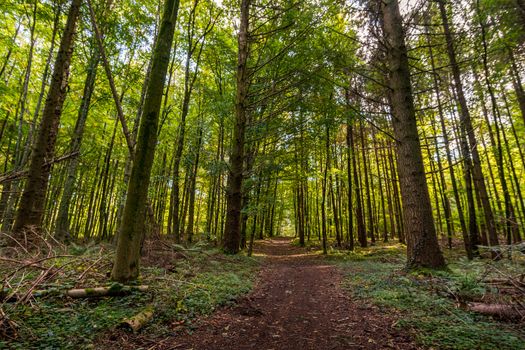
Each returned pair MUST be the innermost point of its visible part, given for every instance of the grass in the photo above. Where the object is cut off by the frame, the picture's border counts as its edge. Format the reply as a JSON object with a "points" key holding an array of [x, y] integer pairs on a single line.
{"points": [[181, 290], [420, 298]]}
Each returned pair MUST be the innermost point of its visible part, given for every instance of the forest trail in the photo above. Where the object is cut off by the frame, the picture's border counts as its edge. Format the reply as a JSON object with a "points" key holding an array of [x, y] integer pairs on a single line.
{"points": [[297, 303]]}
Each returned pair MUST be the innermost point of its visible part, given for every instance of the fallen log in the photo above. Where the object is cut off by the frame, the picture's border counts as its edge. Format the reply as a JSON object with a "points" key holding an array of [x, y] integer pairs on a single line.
{"points": [[503, 311], [138, 321], [114, 290]]}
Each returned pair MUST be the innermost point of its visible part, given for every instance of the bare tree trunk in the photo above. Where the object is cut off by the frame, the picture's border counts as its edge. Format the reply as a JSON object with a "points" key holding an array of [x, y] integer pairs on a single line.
{"points": [[509, 209], [193, 182], [361, 230], [350, 156], [324, 190], [468, 178], [126, 265], [369, 212], [232, 232], [62, 226], [422, 244], [30, 211]]}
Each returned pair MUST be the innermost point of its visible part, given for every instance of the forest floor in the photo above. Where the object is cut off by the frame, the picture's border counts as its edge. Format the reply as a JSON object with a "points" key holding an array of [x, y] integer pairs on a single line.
{"points": [[284, 297], [298, 303]]}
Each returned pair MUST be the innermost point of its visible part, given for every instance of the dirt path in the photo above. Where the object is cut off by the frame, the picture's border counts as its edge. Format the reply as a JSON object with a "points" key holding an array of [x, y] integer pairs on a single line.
{"points": [[297, 304]]}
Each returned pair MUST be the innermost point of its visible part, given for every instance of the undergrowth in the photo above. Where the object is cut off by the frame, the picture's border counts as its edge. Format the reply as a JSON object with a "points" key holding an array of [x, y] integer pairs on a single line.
{"points": [[179, 290], [423, 301]]}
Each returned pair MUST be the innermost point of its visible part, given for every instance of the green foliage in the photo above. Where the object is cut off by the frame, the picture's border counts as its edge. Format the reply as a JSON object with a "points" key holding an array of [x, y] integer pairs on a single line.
{"points": [[62, 324], [468, 287], [208, 291]]}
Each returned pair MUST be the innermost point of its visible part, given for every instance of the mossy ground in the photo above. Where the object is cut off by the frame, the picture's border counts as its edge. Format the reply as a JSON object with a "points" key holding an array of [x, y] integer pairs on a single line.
{"points": [[188, 282], [179, 290], [427, 302]]}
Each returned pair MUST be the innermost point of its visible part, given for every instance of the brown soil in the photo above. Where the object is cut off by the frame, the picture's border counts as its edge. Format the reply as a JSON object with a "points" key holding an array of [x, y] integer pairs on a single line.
{"points": [[297, 303]]}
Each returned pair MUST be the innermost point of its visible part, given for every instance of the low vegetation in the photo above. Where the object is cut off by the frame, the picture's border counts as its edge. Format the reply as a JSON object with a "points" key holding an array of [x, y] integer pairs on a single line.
{"points": [[183, 283], [434, 305]]}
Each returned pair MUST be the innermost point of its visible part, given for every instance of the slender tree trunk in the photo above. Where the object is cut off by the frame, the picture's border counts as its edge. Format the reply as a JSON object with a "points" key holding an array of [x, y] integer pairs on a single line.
{"points": [[189, 230], [450, 164], [518, 86], [509, 209], [361, 230], [126, 265], [62, 226], [381, 193], [232, 233], [324, 190], [397, 201], [350, 157], [367, 185], [466, 128], [30, 211]]}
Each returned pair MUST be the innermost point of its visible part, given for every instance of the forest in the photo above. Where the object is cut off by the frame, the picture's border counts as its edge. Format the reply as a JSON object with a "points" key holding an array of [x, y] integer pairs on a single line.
{"points": [[305, 174]]}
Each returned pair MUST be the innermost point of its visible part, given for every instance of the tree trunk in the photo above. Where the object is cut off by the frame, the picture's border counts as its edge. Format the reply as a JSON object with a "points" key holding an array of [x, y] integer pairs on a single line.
{"points": [[361, 230], [349, 156], [126, 265], [466, 126], [422, 245], [468, 178], [62, 227], [324, 190], [193, 182], [232, 231], [30, 211]]}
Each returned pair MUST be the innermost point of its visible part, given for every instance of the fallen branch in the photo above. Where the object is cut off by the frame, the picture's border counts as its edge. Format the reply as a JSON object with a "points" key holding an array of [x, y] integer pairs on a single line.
{"points": [[114, 290], [138, 321], [502, 311]]}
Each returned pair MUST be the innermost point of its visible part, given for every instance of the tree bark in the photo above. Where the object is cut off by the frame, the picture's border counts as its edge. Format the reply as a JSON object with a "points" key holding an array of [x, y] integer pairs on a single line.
{"points": [[30, 211], [422, 245], [232, 231], [62, 227], [349, 156], [126, 265]]}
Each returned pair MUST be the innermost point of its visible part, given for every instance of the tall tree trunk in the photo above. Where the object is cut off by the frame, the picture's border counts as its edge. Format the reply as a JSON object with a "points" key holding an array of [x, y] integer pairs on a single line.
{"points": [[30, 211], [468, 177], [397, 200], [422, 244], [381, 192], [361, 230], [324, 191], [509, 209], [193, 183], [349, 156], [232, 232], [126, 265], [369, 212]]}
